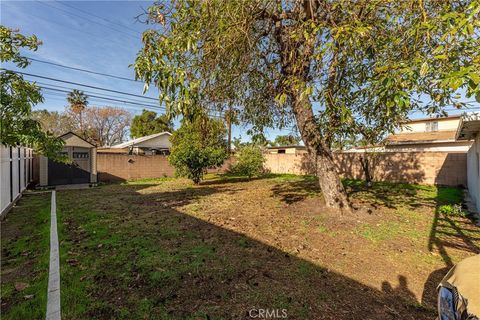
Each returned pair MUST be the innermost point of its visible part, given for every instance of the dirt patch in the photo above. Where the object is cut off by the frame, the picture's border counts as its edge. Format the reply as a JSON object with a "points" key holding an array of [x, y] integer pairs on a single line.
{"points": [[225, 247]]}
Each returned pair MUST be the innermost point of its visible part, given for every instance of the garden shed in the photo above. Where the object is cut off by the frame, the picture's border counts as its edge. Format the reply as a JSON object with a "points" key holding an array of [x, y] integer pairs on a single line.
{"points": [[81, 170]]}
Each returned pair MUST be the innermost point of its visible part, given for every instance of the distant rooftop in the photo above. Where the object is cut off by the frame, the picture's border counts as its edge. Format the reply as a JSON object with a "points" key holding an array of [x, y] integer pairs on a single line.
{"points": [[139, 140], [297, 146], [455, 116], [418, 137]]}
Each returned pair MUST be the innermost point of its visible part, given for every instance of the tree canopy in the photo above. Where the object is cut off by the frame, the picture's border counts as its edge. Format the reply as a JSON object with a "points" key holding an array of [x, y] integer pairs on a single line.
{"points": [[149, 123], [18, 96], [285, 140], [333, 67]]}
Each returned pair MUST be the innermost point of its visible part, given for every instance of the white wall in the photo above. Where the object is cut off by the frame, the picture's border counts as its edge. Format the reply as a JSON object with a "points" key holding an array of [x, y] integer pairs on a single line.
{"points": [[473, 174], [15, 163], [158, 142], [443, 125]]}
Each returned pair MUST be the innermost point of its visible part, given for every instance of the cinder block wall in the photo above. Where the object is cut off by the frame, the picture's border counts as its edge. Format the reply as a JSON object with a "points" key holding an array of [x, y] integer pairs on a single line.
{"points": [[436, 168], [118, 167]]}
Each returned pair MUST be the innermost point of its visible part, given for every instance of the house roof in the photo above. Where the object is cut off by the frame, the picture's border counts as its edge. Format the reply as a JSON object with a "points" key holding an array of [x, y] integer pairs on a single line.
{"points": [[421, 137], [455, 116], [140, 140], [469, 126]]}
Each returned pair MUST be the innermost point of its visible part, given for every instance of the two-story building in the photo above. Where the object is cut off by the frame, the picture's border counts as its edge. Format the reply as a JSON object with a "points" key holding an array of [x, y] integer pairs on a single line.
{"points": [[428, 135]]}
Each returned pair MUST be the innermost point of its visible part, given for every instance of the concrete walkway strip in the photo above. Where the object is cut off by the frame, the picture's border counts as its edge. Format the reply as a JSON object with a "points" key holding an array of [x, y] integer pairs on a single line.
{"points": [[53, 297]]}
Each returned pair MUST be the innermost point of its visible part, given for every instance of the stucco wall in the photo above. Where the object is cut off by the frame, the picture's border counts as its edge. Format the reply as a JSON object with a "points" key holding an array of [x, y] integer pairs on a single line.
{"points": [[445, 124], [473, 165]]}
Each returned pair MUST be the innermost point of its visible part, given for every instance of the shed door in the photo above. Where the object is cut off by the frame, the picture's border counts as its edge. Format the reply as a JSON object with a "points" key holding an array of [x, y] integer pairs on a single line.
{"points": [[76, 172]]}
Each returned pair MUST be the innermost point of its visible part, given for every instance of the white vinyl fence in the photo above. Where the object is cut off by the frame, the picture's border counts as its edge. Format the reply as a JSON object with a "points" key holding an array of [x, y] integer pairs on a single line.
{"points": [[16, 168]]}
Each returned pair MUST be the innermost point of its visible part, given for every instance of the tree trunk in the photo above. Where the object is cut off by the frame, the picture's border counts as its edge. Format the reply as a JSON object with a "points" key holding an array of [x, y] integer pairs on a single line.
{"points": [[328, 178]]}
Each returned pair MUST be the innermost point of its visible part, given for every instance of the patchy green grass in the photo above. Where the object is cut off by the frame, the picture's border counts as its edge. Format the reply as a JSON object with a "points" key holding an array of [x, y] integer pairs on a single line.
{"points": [[168, 249], [25, 258], [388, 231], [148, 181]]}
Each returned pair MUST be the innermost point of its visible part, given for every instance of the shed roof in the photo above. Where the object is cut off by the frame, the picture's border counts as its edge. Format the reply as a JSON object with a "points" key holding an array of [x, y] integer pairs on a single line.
{"points": [[73, 140]]}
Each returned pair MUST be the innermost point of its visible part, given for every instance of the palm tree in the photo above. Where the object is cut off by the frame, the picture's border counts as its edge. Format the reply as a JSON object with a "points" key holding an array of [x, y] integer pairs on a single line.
{"points": [[78, 101]]}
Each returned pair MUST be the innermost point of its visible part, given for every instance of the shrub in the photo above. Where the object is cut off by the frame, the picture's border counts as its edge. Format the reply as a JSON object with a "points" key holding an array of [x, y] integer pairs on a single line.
{"points": [[452, 210], [249, 161], [197, 146]]}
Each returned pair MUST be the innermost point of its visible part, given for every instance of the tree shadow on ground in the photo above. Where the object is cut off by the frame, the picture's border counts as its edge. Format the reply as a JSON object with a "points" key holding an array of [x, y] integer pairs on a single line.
{"points": [[298, 190], [379, 194], [448, 233], [166, 263]]}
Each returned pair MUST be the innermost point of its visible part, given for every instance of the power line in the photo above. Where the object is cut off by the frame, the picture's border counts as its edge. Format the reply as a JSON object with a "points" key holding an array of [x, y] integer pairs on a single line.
{"points": [[60, 96], [94, 15], [62, 93], [74, 29], [83, 70], [81, 17], [105, 98], [86, 91], [82, 85]]}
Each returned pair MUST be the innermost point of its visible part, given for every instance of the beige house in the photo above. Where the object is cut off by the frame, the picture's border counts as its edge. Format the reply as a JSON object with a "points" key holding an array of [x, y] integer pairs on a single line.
{"points": [[469, 130], [428, 135]]}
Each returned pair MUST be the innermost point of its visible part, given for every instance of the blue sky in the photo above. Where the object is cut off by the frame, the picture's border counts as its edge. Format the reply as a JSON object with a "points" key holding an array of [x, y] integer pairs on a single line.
{"points": [[102, 36]]}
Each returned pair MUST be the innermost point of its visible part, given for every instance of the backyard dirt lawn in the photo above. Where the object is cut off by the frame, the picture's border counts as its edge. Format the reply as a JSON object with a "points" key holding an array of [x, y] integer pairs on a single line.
{"points": [[167, 249]]}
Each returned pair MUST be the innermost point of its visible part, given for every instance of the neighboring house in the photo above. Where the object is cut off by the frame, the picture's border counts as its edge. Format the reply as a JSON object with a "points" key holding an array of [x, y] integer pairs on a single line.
{"points": [[81, 170], [158, 143], [428, 135], [293, 149], [468, 130]]}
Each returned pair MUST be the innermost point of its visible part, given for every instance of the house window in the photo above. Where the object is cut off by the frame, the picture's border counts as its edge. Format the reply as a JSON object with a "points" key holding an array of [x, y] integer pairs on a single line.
{"points": [[80, 155], [281, 150], [431, 126]]}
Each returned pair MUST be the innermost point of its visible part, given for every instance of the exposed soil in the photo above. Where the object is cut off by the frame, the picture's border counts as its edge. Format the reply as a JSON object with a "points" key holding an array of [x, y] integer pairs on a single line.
{"points": [[172, 250]]}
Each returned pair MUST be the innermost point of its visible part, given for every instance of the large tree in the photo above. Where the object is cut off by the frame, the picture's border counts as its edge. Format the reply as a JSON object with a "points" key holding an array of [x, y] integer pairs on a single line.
{"points": [[78, 102], [18, 96], [54, 122], [333, 67], [106, 126], [285, 140], [149, 123]]}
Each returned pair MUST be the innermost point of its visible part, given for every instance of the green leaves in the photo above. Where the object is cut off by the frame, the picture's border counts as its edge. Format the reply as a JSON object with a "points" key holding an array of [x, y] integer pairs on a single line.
{"points": [[17, 97], [363, 64], [197, 146], [148, 123]]}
